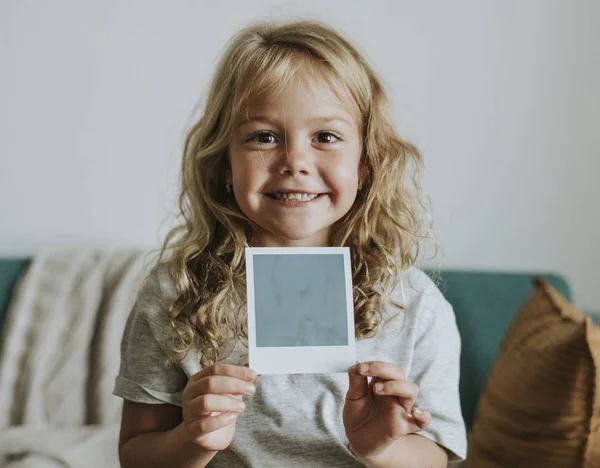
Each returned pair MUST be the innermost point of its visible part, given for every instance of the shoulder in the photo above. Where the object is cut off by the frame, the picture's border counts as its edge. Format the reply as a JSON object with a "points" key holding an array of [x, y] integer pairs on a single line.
{"points": [[158, 290], [414, 289], [424, 305], [159, 284]]}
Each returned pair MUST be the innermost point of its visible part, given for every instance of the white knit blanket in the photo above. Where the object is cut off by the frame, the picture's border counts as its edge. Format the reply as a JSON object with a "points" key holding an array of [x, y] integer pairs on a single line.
{"points": [[60, 354]]}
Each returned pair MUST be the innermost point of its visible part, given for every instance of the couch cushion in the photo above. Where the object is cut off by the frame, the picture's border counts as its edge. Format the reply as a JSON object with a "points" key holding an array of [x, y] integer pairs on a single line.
{"points": [[10, 271], [484, 304], [541, 403]]}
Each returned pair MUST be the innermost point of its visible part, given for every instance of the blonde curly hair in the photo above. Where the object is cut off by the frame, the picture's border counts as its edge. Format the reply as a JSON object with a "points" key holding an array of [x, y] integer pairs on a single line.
{"points": [[384, 228]]}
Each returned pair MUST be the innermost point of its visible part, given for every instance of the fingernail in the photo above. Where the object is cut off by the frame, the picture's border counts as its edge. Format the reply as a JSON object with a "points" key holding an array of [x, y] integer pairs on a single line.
{"points": [[379, 387], [249, 389], [417, 411], [251, 374], [363, 368], [230, 416], [241, 406]]}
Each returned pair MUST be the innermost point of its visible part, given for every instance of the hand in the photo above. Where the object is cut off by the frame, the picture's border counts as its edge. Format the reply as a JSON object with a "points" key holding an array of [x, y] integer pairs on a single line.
{"points": [[375, 418], [212, 401]]}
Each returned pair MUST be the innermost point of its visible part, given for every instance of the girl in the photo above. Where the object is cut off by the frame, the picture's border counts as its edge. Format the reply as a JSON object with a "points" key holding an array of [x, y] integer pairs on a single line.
{"points": [[295, 148]]}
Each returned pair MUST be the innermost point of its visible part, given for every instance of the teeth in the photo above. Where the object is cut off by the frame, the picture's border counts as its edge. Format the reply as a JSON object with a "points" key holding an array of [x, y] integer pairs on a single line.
{"points": [[296, 196]]}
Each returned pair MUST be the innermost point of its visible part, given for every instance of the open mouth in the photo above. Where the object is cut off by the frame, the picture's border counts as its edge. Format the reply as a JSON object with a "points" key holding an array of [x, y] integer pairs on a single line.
{"points": [[300, 197]]}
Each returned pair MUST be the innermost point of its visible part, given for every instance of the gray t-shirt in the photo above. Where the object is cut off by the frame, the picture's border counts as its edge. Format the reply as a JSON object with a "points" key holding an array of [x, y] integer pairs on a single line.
{"points": [[296, 420]]}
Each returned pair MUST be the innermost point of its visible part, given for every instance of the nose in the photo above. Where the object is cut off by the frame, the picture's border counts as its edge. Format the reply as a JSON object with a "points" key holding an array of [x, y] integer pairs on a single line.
{"points": [[294, 160]]}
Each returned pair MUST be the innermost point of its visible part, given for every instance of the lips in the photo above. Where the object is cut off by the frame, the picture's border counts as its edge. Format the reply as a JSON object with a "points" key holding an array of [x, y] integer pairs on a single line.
{"points": [[293, 196], [286, 196]]}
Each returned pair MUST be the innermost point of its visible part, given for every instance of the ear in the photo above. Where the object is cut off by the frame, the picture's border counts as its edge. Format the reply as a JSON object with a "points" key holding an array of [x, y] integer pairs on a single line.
{"points": [[228, 182]]}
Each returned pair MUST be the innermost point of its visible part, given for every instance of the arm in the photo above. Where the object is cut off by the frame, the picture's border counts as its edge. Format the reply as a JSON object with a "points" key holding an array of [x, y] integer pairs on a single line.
{"points": [[410, 451], [153, 436], [381, 423], [380, 417], [190, 436]]}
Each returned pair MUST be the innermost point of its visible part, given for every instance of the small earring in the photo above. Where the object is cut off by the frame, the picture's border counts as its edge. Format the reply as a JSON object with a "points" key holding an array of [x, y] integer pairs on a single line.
{"points": [[228, 187]]}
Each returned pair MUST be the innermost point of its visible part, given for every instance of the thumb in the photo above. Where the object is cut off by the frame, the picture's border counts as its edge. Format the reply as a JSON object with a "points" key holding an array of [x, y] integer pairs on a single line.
{"points": [[359, 384]]}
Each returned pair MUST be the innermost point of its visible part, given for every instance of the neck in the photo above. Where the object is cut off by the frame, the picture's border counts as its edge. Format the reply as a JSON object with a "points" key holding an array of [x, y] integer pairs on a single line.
{"points": [[269, 239]]}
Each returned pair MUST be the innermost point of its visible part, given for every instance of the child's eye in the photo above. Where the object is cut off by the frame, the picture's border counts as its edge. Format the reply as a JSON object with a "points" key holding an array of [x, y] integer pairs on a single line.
{"points": [[263, 137], [328, 137]]}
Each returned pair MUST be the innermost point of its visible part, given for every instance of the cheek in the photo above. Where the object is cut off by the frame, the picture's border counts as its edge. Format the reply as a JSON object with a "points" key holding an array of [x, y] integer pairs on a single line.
{"points": [[241, 171], [242, 180], [247, 175], [343, 175]]}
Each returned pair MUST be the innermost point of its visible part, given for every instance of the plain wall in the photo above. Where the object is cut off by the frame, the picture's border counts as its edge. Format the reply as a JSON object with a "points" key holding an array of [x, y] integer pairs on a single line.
{"points": [[501, 97]]}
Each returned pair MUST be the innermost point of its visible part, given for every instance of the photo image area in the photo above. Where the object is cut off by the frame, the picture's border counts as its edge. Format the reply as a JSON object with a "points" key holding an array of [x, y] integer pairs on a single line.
{"points": [[300, 300]]}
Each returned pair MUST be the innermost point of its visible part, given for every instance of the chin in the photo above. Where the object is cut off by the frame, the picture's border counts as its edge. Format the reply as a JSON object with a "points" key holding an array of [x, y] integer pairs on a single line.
{"points": [[297, 236]]}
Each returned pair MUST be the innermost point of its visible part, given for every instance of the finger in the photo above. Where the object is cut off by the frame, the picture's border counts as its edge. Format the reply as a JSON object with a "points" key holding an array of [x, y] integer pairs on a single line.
{"points": [[219, 384], [358, 385], [406, 391], [206, 404], [228, 370], [422, 418], [213, 423], [382, 370]]}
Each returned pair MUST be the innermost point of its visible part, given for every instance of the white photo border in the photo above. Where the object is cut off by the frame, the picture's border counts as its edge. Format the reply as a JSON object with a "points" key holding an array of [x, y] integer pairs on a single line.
{"points": [[300, 359]]}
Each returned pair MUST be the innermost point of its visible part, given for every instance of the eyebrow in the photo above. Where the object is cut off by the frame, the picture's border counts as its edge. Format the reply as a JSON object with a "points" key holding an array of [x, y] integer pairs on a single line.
{"points": [[266, 119]]}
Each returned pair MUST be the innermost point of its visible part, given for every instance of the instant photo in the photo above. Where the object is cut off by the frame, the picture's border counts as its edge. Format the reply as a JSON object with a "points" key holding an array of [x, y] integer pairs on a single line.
{"points": [[300, 310]]}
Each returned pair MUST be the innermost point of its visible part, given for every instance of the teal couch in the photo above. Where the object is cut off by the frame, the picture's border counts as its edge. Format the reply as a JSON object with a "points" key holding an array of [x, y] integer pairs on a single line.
{"points": [[484, 304]]}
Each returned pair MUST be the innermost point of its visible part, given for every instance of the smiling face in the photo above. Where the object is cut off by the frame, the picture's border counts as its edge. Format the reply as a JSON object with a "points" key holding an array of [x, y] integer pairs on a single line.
{"points": [[295, 164]]}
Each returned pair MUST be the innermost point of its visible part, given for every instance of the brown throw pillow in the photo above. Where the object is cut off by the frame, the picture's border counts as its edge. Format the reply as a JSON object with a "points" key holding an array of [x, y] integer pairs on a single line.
{"points": [[541, 403]]}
